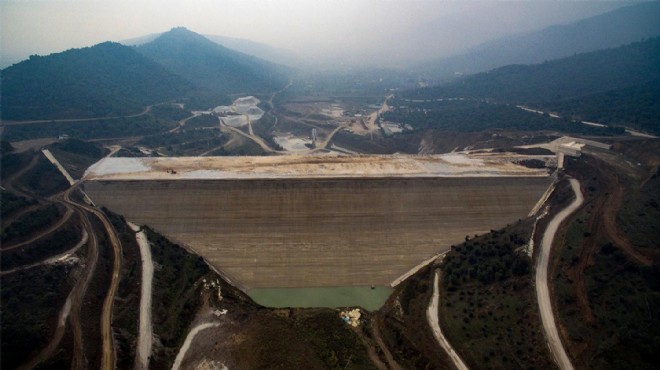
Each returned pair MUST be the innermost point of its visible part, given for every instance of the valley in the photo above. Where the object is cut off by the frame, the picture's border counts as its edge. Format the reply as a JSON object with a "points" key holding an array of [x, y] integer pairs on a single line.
{"points": [[185, 205]]}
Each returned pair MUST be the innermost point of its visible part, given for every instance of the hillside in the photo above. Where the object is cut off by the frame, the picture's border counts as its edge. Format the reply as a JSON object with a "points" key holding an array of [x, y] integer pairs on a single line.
{"points": [[564, 79], [637, 107], [612, 29], [107, 79], [249, 47], [212, 66]]}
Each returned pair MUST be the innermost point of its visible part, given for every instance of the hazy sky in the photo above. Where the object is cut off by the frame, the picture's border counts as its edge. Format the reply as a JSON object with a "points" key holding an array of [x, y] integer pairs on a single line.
{"points": [[379, 31]]}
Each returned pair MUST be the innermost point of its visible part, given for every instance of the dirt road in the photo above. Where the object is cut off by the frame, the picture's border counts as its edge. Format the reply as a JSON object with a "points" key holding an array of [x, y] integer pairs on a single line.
{"points": [[259, 141], [374, 116], [391, 363], [434, 322], [50, 260], [184, 348], [108, 356], [50, 230], [71, 308], [9, 182], [327, 140], [144, 341], [74, 120], [78, 292], [57, 164], [47, 352], [108, 359], [542, 290]]}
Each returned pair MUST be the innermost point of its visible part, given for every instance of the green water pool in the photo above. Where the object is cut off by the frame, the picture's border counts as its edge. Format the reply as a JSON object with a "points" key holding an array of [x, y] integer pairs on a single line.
{"points": [[363, 296]]}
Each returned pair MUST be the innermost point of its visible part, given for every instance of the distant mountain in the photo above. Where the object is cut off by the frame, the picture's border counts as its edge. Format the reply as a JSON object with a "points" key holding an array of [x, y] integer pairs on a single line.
{"points": [[564, 79], [103, 80], [212, 66], [256, 49], [612, 29]]}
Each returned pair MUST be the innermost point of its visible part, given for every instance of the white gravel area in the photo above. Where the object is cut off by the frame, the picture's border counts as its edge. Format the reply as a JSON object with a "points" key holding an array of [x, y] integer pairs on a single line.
{"points": [[309, 166], [117, 165]]}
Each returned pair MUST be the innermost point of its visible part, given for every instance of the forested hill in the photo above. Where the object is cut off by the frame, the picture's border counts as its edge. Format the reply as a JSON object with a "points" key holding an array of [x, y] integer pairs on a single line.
{"points": [[564, 79], [104, 80], [613, 29], [637, 107], [213, 66]]}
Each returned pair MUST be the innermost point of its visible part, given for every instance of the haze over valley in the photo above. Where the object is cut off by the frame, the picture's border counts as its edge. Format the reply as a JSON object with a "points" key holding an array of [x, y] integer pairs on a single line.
{"points": [[320, 185]]}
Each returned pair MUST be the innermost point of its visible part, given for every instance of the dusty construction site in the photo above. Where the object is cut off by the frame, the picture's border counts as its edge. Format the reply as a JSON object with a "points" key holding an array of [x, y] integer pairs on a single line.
{"points": [[310, 221]]}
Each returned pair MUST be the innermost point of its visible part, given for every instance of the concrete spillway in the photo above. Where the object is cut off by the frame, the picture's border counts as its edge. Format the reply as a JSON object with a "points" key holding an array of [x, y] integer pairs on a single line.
{"points": [[319, 232]]}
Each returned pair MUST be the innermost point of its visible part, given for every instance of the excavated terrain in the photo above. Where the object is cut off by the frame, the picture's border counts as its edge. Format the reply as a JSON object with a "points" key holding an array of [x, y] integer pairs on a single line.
{"points": [[320, 232]]}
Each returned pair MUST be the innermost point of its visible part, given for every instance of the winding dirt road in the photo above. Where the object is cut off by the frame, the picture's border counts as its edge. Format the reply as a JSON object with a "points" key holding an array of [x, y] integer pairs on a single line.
{"points": [[50, 260], [542, 290], [258, 140], [184, 348], [108, 355], [9, 182], [78, 293], [75, 120], [50, 230], [144, 341], [434, 322]]}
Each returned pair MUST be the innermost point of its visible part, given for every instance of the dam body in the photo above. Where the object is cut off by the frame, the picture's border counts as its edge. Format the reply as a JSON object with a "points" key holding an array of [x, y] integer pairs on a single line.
{"points": [[317, 232]]}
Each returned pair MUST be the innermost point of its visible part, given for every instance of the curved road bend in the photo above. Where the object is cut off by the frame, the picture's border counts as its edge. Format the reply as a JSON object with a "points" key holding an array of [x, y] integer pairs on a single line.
{"points": [[434, 322], [258, 140], [108, 355], [50, 260], [9, 182], [108, 358], [67, 215], [79, 291], [71, 309], [191, 335], [542, 290]]}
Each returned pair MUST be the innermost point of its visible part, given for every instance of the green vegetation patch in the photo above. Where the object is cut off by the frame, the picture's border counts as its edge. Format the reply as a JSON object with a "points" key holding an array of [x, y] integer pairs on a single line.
{"points": [[96, 129], [29, 223], [477, 115], [335, 343], [488, 305], [185, 142], [640, 213], [10, 203], [44, 179], [176, 293], [625, 298], [204, 120], [11, 163], [621, 331], [404, 327], [305, 339], [126, 310], [169, 112], [61, 240], [637, 107], [31, 301], [77, 155]]}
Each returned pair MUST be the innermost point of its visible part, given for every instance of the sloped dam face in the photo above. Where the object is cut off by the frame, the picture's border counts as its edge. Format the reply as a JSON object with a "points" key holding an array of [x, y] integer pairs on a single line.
{"points": [[292, 233]]}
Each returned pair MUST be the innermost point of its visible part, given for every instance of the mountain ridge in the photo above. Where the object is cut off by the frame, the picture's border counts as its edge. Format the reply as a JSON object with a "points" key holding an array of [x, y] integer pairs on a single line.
{"points": [[562, 79], [612, 29], [212, 66], [102, 80]]}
